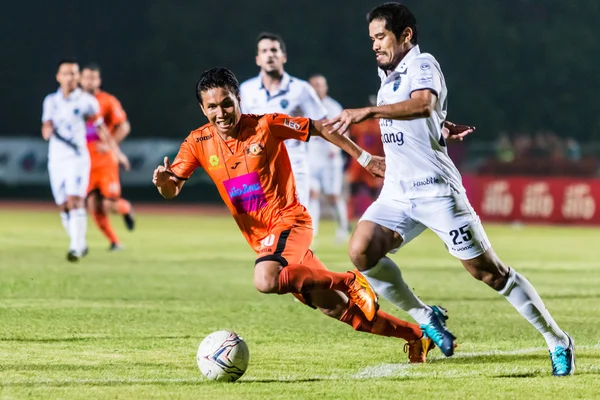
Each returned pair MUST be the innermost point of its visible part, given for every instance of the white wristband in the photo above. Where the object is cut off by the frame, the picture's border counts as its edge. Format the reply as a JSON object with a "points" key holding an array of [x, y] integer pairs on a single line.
{"points": [[364, 159]]}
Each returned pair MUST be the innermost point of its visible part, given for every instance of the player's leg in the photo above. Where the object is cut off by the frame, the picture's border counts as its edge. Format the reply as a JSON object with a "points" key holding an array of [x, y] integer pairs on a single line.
{"points": [[112, 192], [333, 182], [105, 180], [76, 185], [314, 205], [97, 208], [336, 305], [455, 221], [274, 274], [384, 228]]}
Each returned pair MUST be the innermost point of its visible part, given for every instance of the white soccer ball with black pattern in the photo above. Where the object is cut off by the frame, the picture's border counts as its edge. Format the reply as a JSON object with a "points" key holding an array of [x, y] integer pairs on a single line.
{"points": [[223, 356]]}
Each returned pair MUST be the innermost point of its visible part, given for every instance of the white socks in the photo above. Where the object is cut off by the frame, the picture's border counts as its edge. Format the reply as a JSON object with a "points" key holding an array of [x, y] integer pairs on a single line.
{"points": [[386, 279], [314, 209], [523, 296], [78, 229], [341, 213], [64, 218]]}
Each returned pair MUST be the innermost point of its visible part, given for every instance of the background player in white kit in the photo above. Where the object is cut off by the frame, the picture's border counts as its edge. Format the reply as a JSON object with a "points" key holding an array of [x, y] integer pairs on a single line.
{"points": [[275, 91], [423, 189], [63, 124], [326, 167]]}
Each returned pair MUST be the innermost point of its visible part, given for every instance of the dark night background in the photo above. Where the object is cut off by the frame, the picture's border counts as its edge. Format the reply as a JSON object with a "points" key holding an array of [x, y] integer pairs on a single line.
{"points": [[517, 64]]}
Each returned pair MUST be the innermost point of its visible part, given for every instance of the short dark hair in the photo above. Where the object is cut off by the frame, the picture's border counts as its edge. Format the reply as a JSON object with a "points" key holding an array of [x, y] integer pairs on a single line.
{"points": [[271, 36], [92, 67], [397, 18], [67, 60], [217, 78]]}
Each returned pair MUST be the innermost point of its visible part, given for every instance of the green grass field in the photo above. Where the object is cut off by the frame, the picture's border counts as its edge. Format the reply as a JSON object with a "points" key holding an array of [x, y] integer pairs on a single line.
{"points": [[127, 325]]}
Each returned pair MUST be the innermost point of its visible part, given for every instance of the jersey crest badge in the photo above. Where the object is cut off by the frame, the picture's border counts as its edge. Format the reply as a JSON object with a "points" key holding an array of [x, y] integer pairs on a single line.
{"points": [[397, 82], [284, 103], [254, 149]]}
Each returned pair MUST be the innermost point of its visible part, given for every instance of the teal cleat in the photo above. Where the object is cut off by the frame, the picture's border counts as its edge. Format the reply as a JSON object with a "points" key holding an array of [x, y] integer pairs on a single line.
{"points": [[436, 330], [563, 360]]}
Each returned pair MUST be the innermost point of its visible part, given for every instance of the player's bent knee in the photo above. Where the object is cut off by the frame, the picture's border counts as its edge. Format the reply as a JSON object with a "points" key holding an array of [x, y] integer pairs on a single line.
{"points": [[336, 312], [266, 276]]}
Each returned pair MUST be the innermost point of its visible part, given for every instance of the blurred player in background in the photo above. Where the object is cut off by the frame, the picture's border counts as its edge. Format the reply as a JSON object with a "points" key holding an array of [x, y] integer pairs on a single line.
{"points": [[64, 117], [364, 187], [104, 191], [275, 91], [245, 157], [423, 189], [326, 167]]}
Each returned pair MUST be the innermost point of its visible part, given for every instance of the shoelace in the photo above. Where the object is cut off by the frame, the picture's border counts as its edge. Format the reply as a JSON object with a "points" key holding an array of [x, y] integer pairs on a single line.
{"points": [[559, 359]]}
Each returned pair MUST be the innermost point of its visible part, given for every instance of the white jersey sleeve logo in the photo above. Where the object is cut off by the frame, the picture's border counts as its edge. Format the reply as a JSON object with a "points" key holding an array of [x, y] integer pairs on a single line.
{"points": [[417, 160]]}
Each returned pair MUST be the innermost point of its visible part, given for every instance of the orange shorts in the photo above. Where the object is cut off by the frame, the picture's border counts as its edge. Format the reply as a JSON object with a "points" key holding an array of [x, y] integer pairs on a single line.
{"points": [[106, 180], [291, 246], [288, 245]]}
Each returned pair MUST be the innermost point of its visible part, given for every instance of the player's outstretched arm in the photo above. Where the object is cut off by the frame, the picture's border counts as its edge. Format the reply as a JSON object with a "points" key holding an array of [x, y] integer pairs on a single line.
{"points": [[374, 164], [420, 105], [165, 180]]}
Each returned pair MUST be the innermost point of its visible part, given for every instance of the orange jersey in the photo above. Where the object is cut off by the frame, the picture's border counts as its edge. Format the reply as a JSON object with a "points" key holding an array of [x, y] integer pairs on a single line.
{"points": [[113, 114], [252, 172]]}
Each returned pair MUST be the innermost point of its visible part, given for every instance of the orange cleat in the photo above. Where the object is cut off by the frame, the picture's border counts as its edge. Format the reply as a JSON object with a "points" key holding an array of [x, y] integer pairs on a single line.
{"points": [[417, 349], [363, 295]]}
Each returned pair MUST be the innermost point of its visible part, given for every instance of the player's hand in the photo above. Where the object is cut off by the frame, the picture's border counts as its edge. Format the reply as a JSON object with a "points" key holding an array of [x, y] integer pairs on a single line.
{"points": [[162, 173], [123, 160], [376, 166], [456, 132], [342, 122]]}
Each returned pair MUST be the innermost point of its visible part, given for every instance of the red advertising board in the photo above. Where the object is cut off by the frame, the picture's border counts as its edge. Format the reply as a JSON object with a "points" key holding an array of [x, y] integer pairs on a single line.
{"points": [[535, 199]]}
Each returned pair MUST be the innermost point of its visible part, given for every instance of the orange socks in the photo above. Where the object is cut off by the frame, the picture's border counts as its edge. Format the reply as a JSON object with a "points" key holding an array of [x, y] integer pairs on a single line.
{"points": [[103, 223], [384, 324], [123, 207], [297, 278]]}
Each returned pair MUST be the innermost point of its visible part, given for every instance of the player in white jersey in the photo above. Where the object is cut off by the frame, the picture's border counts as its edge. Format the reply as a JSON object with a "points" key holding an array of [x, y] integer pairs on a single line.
{"points": [[275, 91], [423, 189], [326, 167], [64, 116]]}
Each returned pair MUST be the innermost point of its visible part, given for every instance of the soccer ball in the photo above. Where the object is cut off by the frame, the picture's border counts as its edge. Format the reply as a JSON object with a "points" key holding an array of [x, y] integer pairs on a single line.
{"points": [[223, 356]]}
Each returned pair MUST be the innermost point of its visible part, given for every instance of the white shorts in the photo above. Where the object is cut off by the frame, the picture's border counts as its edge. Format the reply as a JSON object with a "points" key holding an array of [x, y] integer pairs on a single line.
{"points": [[69, 177], [451, 217], [327, 178]]}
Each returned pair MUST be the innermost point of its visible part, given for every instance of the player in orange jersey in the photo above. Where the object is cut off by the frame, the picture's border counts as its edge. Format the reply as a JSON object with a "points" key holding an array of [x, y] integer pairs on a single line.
{"points": [[104, 191], [246, 157]]}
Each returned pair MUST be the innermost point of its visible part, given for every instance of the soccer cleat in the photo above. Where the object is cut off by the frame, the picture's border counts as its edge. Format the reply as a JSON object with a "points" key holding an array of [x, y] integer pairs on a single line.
{"points": [[363, 295], [563, 360], [417, 349], [436, 330], [115, 247], [72, 256], [85, 252], [129, 221]]}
